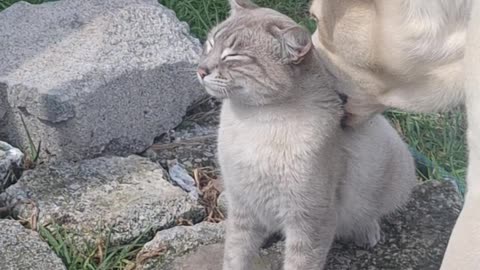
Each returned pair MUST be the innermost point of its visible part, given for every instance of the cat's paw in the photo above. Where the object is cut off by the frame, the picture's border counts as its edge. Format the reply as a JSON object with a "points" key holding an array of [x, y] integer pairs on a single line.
{"points": [[369, 236]]}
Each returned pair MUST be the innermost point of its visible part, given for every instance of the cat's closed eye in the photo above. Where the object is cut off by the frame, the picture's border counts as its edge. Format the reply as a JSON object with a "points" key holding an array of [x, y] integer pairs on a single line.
{"points": [[234, 57], [231, 55]]}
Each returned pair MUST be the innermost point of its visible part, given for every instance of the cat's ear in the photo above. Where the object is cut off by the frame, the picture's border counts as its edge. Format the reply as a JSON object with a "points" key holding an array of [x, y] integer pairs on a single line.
{"points": [[236, 5], [295, 43]]}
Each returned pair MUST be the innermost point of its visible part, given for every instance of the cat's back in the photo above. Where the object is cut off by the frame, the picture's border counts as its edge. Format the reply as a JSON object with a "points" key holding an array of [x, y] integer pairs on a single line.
{"points": [[375, 137], [380, 167], [377, 148]]}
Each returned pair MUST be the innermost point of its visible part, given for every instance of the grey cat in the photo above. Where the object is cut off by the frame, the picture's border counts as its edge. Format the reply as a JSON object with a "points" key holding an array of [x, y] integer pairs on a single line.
{"points": [[287, 163]]}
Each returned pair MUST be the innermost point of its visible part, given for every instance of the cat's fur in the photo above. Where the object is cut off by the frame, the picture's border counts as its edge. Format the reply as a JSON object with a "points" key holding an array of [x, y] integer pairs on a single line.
{"points": [[409, 54], [286, 162]]}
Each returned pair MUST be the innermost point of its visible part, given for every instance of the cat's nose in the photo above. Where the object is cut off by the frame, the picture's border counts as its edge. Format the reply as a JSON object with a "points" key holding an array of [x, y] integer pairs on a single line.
{"points": [[203, 72]]}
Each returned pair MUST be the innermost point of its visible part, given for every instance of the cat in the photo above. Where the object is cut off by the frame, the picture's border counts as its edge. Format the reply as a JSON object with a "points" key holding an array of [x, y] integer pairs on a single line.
{"points": [[287, 163], [410, 55]]}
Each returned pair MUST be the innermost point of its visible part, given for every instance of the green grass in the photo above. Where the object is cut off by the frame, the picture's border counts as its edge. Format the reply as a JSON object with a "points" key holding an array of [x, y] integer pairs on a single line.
{"points": [[440, 137], [202, 15], [102, 256]]}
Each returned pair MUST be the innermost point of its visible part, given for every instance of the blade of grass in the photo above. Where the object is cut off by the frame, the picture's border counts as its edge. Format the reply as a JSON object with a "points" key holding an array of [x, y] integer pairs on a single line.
{"points": [[33, 151]]}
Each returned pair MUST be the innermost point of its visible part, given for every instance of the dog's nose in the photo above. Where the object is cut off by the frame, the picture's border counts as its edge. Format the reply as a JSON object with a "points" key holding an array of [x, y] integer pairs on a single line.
{"points": [[203, 72]]}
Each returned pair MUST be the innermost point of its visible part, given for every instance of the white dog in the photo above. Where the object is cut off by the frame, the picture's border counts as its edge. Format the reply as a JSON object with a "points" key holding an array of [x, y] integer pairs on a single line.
{"points": [[412, 55]]}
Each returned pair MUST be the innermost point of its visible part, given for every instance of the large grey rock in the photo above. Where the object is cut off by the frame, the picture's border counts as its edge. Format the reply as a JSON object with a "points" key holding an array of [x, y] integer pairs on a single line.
{"points": [[10, 158], [23, 249], [126, 196], [97, 76], [414, 239]]}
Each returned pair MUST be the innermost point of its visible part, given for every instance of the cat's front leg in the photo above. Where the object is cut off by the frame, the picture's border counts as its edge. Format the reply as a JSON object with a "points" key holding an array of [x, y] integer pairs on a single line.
{"points": [[309, 235], [244, 237]]}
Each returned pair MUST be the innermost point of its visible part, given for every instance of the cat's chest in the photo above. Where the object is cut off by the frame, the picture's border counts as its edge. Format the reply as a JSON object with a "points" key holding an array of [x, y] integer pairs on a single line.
{"points": [[258, 135], [273, 145]]}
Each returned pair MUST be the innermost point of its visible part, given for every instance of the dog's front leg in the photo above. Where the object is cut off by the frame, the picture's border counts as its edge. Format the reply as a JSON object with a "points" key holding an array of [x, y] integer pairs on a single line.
{"points": [[463, 250]]}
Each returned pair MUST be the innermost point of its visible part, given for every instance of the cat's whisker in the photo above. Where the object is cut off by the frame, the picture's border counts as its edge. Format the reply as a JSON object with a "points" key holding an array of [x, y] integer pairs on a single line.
{"points": [[225, 92], [219, 84], [219, 81]]}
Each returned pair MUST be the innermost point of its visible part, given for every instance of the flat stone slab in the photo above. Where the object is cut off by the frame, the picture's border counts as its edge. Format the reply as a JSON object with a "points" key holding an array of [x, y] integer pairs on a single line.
{"points": [[94, 77], [124, 195], [23, 249], [177, 241], [414, 239]]}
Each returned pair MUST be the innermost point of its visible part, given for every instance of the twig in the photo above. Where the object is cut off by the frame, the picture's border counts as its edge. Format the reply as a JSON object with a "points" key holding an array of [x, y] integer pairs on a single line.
{"points": [[193, 141]]}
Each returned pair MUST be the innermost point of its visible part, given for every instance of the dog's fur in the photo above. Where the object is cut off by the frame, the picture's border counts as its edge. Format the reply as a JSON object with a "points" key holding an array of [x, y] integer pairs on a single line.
{"points": [[409, 54], [463, 251], [394, 53]]}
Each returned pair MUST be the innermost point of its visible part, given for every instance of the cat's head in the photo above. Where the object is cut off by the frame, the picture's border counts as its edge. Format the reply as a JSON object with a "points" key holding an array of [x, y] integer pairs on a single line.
{"points": [[254, 55]]}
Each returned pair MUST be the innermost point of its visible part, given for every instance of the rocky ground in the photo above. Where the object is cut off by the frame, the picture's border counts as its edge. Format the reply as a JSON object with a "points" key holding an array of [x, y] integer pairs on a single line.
{"points": [[414, 238]]}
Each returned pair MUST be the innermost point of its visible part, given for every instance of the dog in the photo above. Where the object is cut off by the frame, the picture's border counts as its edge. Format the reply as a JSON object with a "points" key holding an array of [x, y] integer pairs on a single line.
{"points": [[414, 55]]}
